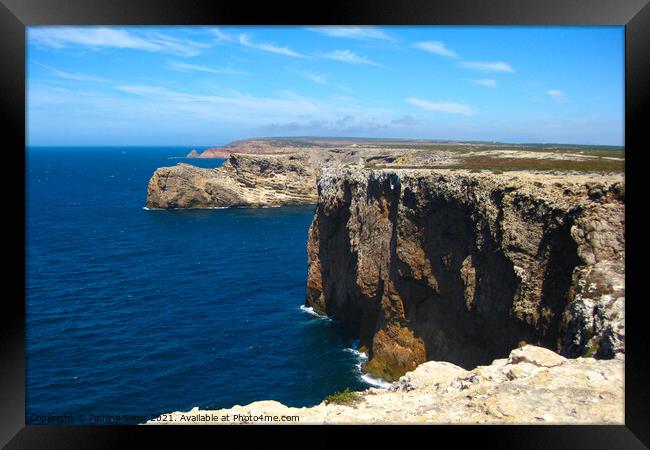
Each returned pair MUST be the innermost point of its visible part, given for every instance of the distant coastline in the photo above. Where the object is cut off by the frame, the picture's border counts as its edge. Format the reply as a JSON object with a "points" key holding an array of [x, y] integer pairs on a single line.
{"points": [[265, 145], [412, 241]]}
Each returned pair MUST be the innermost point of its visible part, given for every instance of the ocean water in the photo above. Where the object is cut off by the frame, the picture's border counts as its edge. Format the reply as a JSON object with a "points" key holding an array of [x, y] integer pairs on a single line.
{"points": [[131, 312]]}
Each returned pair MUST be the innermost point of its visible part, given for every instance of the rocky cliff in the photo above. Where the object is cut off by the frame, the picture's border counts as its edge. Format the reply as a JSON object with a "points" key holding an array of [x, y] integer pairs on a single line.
{"points": [[243, 180], [532, 385], [457, 266], [217, 153], [281, 171]]}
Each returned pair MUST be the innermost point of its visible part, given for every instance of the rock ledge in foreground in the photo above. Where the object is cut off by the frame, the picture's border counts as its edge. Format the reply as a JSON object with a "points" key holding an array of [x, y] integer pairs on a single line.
{"points": [[532, 386]]}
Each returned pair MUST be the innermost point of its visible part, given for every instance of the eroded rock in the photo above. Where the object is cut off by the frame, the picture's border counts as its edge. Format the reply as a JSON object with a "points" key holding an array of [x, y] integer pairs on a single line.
{"points": [[243, 180], [460, 266], [531, 386]]}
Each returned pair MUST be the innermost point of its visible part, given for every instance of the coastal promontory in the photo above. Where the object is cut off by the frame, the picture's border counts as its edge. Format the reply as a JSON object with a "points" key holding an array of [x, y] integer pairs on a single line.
{"points": [[486, 281], [243, 180], [462, 266]]}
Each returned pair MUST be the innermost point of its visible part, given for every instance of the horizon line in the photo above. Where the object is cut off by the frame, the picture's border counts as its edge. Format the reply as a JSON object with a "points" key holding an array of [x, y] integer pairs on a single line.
{"points": [[432, 140]]}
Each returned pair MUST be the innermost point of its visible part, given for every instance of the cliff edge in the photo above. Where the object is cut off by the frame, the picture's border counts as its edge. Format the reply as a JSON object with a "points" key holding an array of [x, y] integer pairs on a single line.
{"points": [[459, 266], [532, 385], [243, 180]]}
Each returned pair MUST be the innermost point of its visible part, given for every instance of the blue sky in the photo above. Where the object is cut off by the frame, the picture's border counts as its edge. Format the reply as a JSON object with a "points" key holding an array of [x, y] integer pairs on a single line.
{"points": [[201, 86]]}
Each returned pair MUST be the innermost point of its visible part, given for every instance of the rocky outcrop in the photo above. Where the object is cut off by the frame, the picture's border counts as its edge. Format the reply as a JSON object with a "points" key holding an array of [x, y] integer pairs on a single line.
{"points": [[459, 266], [288, 166], [243, 180], [218, 153], [532, 385]]}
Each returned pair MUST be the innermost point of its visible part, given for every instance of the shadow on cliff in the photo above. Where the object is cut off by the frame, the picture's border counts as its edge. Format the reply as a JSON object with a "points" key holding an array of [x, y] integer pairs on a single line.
{"points": [[467, 303], [473, 323], [338, 267]]}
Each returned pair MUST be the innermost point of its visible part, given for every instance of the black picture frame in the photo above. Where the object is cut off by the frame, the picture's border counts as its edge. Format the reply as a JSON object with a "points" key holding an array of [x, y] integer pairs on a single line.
{"points": [[15, 15]]}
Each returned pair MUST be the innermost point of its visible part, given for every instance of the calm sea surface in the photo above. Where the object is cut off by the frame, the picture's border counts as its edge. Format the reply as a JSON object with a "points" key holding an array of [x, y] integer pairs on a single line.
{"points": [[136, 312]]}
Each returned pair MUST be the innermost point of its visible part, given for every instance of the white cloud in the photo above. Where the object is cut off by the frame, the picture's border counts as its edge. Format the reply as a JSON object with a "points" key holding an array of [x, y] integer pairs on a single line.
{"points": [[352, 32], [556, 95], [498, 66], [70, 75], [349, 57], [105, 37], [407, 121], [222, 35], [436, 47], [185, 67], [344, 125], [315, 77], [448, 107], [487, 82], [238, 107], [287, 102], [245, 40]]}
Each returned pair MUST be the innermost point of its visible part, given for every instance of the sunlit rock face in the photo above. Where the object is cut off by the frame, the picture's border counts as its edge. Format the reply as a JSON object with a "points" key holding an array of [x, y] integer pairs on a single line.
{"points": [[243, 180], [532, 385]]}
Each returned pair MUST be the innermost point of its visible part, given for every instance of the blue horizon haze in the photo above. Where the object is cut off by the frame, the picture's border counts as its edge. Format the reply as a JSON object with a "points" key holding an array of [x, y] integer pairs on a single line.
{"points": [[205, 86]]}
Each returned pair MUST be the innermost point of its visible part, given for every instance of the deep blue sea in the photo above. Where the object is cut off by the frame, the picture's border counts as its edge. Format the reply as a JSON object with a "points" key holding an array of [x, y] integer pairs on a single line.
{"points": [[137, 312]]}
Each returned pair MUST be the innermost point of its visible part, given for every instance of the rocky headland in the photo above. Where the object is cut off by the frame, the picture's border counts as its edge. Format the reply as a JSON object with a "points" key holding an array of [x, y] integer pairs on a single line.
{"points": [[243, 180], [215, 153], [250, 146], [443, 258], [271, 172], [458, 266]]}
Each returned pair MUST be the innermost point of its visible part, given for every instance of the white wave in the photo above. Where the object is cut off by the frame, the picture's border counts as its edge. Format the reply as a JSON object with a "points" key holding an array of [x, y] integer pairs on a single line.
{"points": [[366, 378], [360, 355], [215, 207], [376, 382], [309, 310], [184, 209]]}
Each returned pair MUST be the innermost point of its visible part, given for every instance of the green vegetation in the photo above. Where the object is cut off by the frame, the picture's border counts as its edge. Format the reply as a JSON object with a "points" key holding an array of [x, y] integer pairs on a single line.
{"points": [[505, 164], [592, 349], [462, 147], [459, 148], [501, 164], [345, 397]]}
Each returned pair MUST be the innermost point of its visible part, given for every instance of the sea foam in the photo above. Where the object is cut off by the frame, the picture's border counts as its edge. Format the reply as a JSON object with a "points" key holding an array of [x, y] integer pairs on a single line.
{"points": [[366, 378], [309, 310], [375, 382]]}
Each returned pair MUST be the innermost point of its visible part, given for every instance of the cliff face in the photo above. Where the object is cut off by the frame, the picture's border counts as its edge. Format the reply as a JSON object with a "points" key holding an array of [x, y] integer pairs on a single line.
{"points": [[532, 386], [459, 266], [243, 180], [219, 153]]}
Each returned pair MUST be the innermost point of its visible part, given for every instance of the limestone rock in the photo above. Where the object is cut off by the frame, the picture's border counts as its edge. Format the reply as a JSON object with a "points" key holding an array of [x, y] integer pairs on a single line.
{"points": [[243, 180], [460, 266], [536, 356], [531, 386]]}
